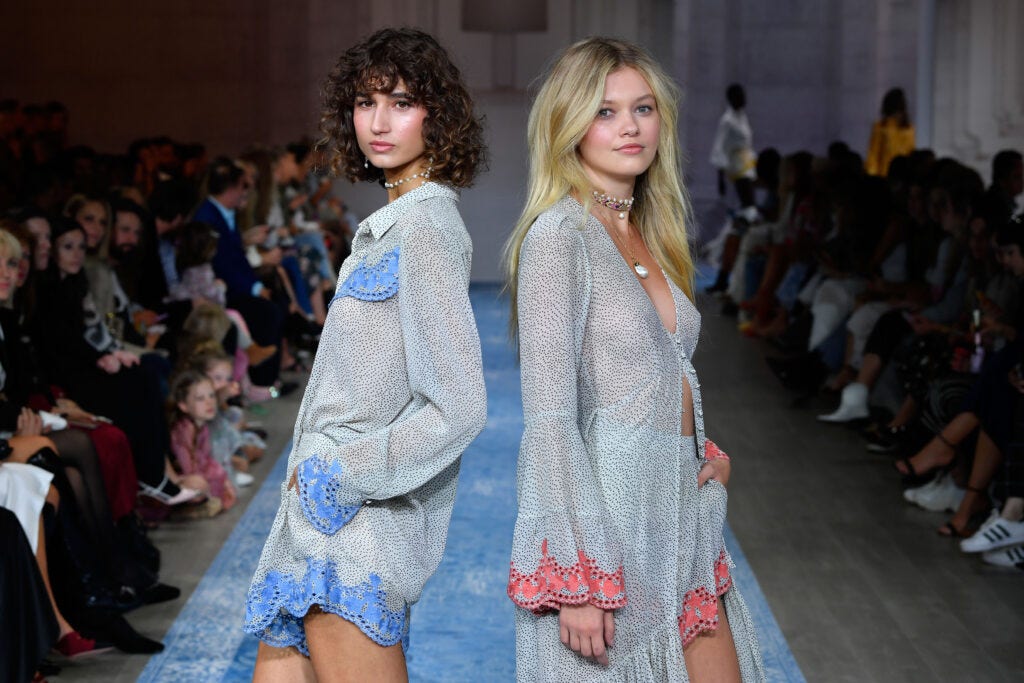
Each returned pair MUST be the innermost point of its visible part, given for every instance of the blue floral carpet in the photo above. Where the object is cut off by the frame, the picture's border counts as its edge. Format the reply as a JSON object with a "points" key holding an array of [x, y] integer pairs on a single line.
{"points": [[462, 628]]}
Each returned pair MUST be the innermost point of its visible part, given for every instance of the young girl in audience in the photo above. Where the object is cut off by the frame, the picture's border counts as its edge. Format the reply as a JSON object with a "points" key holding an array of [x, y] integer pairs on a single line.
{"points": [[233, 447], [195, 405]]}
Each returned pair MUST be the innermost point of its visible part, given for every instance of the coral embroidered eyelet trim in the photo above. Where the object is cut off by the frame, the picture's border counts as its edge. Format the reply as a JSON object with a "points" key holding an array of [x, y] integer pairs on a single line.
{"points": [[275, 607], [320, 482], [700, 607], [553, 585], [373, 283], [713, 452]]}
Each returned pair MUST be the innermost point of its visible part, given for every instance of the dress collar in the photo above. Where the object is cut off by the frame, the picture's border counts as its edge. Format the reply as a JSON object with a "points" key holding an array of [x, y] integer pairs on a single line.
{"points": [[381, 220]]}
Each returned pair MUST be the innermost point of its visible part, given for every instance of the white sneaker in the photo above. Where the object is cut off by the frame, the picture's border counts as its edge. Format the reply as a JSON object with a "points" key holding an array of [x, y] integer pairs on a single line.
{"points": [[995, 533], [943, 496], [1006, 557], [911, 495], [244, 479], [853, 404]]}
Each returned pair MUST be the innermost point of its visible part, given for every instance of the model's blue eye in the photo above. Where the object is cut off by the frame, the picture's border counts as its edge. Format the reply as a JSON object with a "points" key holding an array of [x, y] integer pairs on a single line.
{"points": [[604, 113], [644, 109]]}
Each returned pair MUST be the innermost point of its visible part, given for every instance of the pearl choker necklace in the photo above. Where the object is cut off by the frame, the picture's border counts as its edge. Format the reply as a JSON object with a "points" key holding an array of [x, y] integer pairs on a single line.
{"points": [[615, 204], [422, 174]]}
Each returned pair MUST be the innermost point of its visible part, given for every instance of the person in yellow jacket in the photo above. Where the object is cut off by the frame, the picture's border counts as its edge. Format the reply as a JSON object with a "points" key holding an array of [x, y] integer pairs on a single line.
{"points": [[891, 136]]}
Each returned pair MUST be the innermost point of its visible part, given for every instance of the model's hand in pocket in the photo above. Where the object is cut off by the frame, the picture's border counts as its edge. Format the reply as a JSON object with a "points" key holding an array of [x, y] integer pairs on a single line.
{"points": [[717, 469]]}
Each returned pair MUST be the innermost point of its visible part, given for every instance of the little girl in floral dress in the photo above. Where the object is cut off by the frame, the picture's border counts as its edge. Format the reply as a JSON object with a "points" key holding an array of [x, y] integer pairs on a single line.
{"points": [[234, 446], [195, 406]]}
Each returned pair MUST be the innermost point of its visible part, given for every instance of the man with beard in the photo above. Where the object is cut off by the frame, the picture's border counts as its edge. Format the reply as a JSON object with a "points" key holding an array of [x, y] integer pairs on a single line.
{"points": [[125, 244]]}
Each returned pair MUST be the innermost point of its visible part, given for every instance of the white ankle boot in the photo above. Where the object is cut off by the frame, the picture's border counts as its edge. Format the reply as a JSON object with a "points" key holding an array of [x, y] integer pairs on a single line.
{"points": [[853, 404]]}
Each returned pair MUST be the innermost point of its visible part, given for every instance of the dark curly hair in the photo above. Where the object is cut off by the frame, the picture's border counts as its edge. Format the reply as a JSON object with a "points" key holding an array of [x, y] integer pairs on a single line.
{"points": [[452, 133]]}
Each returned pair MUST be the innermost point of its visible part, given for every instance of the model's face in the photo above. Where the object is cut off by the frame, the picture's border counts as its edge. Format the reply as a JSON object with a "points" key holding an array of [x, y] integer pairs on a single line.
{"points": [[389, 129], [623, 139], [8, 274], [201, 402], [127, 231], [70, 252], [40, 229], [93, 219]]}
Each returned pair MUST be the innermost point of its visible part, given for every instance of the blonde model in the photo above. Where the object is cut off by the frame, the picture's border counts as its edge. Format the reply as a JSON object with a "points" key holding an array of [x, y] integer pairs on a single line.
{"points": [[619, 569]]}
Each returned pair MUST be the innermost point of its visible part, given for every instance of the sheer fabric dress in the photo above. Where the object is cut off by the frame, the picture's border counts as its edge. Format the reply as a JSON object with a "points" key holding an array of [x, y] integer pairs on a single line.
{"points": [[395, 395], [609, 508]]}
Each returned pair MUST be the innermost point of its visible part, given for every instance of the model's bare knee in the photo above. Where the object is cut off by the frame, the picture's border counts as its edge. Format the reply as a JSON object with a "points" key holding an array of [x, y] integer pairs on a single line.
{"points": [[711, 657], [341, 653], [275, 664]]}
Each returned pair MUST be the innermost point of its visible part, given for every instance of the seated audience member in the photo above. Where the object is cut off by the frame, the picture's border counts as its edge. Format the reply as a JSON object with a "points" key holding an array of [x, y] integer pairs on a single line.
{"points": [[961, 190], [228, 188], [95, 371], [29, 609], [111, 301], [989, 406], [1007, 186], [193, 404]]}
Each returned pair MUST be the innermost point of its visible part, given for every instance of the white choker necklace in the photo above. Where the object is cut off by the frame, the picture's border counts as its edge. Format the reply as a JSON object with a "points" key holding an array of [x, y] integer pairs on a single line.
{"points": [[621, 205], [422, 174]]}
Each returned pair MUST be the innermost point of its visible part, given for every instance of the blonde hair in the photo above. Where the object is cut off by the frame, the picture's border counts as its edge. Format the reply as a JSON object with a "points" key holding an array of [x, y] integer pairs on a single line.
{"points": [[76, 203], [562, 113], [10, 247]]}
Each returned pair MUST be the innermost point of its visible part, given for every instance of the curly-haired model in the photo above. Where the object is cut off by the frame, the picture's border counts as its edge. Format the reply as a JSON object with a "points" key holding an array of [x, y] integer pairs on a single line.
{"points": [[396, 392], [452, 133]]}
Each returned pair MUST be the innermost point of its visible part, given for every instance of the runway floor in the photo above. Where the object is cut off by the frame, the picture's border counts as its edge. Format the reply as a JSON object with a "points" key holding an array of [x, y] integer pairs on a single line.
{"points": [[846, 582]]}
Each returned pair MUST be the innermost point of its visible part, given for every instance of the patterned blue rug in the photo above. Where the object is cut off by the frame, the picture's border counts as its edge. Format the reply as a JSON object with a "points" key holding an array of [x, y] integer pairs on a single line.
{"points": [[462, 628]]}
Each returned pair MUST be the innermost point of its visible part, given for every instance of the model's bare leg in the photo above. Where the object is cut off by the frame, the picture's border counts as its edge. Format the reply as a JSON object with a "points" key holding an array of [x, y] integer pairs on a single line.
{"points": [[341, 653], [711, 657], [275, 664]]}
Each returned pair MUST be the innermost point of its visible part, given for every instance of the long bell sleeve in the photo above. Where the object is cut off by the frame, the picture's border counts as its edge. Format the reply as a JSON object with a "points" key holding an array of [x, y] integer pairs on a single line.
{"points": [[447, 407], [564, 549]]}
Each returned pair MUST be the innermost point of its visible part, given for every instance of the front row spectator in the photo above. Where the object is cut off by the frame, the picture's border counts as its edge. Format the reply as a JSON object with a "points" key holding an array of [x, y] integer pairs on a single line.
{"points": [[228, 189]]}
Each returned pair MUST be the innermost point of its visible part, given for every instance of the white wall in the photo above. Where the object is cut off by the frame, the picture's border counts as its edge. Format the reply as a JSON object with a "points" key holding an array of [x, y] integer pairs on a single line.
{"points": [[979, 80]]}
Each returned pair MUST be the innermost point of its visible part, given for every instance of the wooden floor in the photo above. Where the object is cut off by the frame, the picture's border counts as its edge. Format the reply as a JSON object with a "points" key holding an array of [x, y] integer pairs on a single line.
{"points": [[861, 585]]}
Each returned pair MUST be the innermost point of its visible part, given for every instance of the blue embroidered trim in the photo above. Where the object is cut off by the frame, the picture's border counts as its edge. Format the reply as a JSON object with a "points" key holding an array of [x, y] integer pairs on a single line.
{"points": [[373, 283], [319, 485], [275, 608]]}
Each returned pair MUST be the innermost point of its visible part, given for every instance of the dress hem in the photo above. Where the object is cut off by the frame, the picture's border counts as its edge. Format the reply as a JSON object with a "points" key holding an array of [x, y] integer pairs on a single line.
{"points": [[276, 606]]}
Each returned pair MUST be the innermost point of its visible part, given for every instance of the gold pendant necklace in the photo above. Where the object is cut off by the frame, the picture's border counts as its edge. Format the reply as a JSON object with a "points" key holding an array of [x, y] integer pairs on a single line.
{"points": [[640, 269]]}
